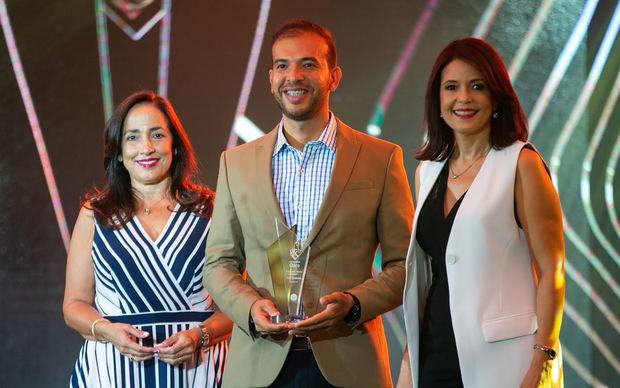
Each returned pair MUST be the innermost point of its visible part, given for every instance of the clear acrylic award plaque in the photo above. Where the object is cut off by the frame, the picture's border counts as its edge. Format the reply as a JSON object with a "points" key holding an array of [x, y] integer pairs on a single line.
{"points": [[289, 272]]}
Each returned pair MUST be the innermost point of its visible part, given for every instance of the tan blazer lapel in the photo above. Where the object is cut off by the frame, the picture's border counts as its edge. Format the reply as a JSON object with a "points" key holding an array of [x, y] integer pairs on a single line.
{"points": [[347, 149], [262, 166]]}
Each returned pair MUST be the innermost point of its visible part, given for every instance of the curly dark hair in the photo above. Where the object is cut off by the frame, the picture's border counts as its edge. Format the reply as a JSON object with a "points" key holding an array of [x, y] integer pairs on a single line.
{"points": [[510, 124], [115, 204]]}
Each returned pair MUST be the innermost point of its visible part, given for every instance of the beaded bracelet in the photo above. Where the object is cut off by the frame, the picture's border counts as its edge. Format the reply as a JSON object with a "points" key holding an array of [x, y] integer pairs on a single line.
{"points": [[92, 329]]}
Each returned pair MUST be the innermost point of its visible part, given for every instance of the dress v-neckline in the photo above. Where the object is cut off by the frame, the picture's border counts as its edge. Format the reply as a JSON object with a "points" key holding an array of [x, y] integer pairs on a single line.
{"points": [[454, 207], [446, 167], [155, 241], [443, 183]]}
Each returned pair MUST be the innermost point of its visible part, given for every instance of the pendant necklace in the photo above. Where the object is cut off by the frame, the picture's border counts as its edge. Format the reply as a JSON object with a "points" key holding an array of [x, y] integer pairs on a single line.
{"points": [[149, 209], [454, 175]]}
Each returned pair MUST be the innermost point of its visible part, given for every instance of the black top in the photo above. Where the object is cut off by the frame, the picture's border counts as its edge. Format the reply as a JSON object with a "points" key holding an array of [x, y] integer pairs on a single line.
{"points": [[439, 363]]}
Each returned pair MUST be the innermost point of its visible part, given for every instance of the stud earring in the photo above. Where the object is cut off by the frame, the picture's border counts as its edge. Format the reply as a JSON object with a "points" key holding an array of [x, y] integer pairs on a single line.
{"points": [[441, 115], [495, 115], [119, 158], [175, 151]]}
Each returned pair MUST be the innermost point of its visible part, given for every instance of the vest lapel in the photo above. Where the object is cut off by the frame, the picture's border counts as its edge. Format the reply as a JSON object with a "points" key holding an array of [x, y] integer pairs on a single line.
{"points": [[347, 149], [262, 166], [428, 177]]}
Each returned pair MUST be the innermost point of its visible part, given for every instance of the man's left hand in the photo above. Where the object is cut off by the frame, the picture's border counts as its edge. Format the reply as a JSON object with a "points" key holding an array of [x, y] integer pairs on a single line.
{"points": [[337, 306]]}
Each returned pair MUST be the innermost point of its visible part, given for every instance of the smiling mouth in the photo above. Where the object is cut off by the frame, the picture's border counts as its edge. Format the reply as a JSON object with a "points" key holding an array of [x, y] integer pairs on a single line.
{"points": [[295, 92], [295, 95], [147, 163], [464, 113]]}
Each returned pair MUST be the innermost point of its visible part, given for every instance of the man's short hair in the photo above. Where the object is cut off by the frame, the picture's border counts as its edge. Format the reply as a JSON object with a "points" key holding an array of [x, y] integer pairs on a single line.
{"points": [[296, 27]]}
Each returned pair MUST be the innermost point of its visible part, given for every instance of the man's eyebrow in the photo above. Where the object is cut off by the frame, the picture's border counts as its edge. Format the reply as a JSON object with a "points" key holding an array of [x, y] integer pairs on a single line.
{"points": [[313, 59]]}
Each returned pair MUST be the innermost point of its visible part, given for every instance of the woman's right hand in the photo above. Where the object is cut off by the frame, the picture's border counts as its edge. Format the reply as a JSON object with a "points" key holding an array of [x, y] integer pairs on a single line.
{"points": [[125, 338]]}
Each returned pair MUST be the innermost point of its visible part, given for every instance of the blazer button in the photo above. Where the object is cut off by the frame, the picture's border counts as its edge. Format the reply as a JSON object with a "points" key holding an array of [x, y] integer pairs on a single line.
{"points": [[451, 259]]}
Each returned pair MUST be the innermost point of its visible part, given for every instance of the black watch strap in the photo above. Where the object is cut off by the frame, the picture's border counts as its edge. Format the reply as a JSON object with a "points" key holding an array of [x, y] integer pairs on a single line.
{"points": [[355, 313]]}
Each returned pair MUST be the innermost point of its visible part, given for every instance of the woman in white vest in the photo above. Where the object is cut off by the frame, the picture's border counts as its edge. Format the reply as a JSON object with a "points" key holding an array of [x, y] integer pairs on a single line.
{"points": [[485, 270]]}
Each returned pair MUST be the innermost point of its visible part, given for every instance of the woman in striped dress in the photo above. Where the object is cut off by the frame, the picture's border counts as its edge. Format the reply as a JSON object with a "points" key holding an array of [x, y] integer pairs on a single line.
{"points": [[134, 270]]}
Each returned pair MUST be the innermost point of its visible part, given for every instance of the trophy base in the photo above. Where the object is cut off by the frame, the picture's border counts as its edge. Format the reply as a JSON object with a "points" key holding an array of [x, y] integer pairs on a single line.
{"points": [[287, 318]]}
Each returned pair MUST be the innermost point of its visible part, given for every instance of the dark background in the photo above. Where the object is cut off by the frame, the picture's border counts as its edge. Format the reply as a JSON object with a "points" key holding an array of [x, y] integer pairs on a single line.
{"points": [[209, 47]]}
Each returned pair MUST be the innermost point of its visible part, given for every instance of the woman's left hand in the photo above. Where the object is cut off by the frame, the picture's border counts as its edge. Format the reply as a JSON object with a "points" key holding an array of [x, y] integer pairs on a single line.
{"points": [[179, 347]]}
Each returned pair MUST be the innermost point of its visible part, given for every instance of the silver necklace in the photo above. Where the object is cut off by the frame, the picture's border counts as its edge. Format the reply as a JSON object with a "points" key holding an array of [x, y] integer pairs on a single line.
{"points": [[454, 175]]}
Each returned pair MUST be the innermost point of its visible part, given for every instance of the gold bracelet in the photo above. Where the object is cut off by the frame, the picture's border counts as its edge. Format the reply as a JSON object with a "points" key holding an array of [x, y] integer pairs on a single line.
{"points": [[92, 328], [205, 337]]}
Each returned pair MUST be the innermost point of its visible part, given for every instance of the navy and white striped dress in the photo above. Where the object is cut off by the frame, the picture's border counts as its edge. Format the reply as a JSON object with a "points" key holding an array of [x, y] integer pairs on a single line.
{"points": [[155, 286]]}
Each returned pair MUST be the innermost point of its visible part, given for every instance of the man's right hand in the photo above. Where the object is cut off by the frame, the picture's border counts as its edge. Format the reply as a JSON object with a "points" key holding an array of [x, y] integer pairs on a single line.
{"points": [[261, 312]]}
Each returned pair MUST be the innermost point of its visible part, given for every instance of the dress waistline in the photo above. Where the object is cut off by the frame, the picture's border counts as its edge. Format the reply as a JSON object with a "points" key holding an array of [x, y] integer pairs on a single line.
{"points": [[160, 317]]}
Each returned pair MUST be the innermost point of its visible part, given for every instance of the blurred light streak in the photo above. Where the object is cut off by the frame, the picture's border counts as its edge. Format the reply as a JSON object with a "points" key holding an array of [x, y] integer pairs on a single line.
{"points": [[585, 327], [241, 124], [396, 327], [487, 18], [564, 60], [580, 369], [127, 29], [164, 49], [104, 58], [528, 41], [567, 133], [102, 11], [376, 121], [586, 167], [610, 173], [245, 129], [24, 90], [591, 293], [592, 258]]}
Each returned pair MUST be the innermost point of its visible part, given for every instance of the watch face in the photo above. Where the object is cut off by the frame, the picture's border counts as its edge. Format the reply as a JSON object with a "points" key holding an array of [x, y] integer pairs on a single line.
{"points": [[551, 354]]}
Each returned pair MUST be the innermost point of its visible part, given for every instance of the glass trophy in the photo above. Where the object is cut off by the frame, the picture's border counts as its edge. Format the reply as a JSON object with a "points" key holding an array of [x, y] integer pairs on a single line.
{"points": [[288, 262]]}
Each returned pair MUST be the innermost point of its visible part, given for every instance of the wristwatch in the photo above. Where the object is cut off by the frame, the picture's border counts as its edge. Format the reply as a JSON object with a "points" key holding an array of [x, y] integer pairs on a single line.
{"points": [[549, 352], [205, 338], [355, 313]]}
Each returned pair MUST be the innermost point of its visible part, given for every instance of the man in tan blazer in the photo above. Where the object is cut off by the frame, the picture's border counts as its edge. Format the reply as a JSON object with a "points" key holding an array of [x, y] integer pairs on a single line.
{"points": [[365, 203]]}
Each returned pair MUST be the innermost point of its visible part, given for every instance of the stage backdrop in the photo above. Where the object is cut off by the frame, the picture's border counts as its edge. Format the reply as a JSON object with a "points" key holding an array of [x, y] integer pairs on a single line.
{"points": [[64, 64]]}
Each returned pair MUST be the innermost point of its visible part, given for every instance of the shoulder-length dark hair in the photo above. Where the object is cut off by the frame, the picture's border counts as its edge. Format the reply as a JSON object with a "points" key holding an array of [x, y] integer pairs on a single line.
{"points": [[115, 204], [510, 124]]}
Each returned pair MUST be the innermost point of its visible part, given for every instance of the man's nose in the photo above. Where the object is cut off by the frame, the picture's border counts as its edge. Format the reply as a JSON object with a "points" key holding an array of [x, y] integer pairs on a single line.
{"points": [[295, 73]]}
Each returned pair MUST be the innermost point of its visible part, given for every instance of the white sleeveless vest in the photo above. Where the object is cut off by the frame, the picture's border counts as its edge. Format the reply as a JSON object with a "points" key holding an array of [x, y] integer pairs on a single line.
{"points": [[491, 286]]}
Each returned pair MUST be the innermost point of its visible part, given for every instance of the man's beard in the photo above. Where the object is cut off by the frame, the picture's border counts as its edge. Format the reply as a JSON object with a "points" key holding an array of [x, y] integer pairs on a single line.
{"points": [[301, 115]]}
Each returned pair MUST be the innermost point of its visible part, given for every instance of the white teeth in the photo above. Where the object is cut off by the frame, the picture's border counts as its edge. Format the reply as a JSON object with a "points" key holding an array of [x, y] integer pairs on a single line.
{"points": [[295, 93]]}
